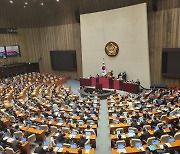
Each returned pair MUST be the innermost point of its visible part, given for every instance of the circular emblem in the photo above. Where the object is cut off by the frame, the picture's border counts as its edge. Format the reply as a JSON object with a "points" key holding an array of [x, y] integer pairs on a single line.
{"points": [[111, 49]]}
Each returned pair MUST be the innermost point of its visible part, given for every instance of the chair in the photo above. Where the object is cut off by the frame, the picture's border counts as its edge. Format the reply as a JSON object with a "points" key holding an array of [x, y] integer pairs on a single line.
{"points": [[133, 128], [31, 139], [53, 129], [148, 127], [165, 138], [163, 118], [91, 131], [89, 122], [66, 145], [45, 128], [123, 142], [11, 151], [12, 119], [134, 141], [65, 129], [150, 139], [120, 129], [18, 134], [160, 124], [177, 136], [1, 148], [53, 142]]}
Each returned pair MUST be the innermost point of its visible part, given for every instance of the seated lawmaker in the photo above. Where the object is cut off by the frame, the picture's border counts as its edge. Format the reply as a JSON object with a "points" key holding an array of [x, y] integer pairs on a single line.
{"points": [[158, 133]]}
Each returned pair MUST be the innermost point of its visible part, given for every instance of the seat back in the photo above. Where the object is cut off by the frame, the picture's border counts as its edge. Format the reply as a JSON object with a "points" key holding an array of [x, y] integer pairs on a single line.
{"points": [[147, 127], [18, 134], [163, 118], [121, 142], [44, 127], [150, 139], [134, 141], [177, 136], [1, 148], [9, 150], [133, 128], [12, 119], [165, 138], [31, 138], [53, 129], [65, 129]]}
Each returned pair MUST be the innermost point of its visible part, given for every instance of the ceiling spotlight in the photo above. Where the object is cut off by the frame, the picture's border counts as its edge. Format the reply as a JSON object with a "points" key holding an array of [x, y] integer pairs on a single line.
{"points": [[42, 3], [26, 3], [57, 0], [11, 2], [24, 6]]}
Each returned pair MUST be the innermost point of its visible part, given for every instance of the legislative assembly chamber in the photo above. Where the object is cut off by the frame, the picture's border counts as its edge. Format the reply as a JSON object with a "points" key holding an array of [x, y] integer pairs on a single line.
{"points": [[89, 76]]}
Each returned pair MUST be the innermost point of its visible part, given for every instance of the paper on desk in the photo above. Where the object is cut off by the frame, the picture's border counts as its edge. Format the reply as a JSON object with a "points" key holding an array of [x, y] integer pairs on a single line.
{"points": [[169, 145], [56, 149], [56, 134], [161, 146], [10, 140], [141, 148], [60, 150], [87, 151], [121, 150]]}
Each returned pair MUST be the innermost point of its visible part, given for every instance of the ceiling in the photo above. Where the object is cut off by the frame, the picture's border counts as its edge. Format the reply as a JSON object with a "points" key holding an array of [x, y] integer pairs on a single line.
{"points": [[52, 13]]}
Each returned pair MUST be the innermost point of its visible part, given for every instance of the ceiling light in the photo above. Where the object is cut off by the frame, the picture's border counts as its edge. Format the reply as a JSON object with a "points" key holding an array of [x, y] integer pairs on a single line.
{"points": [[57, 0], [42, 3], [11, 2], [24, 6], [26, 3]]}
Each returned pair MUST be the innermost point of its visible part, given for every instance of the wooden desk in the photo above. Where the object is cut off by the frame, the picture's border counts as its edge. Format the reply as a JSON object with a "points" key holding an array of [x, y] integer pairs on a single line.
{"points": [[40, 134]]}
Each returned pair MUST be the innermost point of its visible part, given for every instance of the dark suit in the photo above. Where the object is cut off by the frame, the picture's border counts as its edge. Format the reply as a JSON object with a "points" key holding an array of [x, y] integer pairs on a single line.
{"points": [[158, 133], [145, 135]]}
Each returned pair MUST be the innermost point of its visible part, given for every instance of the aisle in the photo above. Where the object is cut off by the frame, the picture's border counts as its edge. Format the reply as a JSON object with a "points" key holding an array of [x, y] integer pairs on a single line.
{"points": [[103, 138]]}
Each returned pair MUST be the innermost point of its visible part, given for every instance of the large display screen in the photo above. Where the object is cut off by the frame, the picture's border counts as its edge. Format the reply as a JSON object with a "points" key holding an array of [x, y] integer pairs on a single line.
{"points": [[63, 60], [2, 52], [12, 51], [171, 62]]}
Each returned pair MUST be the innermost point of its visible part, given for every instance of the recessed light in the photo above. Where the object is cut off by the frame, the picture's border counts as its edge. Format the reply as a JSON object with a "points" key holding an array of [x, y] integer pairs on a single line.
{"points": [[11, 2], [42, 3], [57, 0], [26, 3], [24, 6]]}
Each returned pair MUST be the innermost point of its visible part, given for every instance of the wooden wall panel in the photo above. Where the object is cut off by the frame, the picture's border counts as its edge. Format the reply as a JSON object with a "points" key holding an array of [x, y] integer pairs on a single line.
{"points": [[28, 40], [63, 37], [164, 32]]}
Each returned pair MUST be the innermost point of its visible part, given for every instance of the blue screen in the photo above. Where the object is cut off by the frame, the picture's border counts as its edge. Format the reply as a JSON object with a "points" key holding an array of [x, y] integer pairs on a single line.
{"points": [[120, 146]]}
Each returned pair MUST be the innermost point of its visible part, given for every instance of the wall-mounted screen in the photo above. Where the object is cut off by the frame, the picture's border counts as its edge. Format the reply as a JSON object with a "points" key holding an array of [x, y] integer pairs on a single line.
{"points": [[2, 52], [171, 62], [13, 51], [63, 60]]}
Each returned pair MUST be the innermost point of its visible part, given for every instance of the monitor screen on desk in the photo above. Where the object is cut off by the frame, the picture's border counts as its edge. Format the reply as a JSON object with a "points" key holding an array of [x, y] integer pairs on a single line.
{"points": [[155, 142], [73, 146], [23, 139], [138, 144], [120, 146], [46, 143], [87, 146], [59, 145], [74, 133], [172, 139], [88, 133]]}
